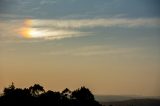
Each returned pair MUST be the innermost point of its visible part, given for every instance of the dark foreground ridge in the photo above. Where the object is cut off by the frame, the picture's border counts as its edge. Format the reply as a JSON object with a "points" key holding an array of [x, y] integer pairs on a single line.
{"points": [[36, 95]]}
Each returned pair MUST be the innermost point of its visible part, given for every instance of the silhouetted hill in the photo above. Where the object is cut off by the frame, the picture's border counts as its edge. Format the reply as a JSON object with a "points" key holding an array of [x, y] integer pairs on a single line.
{"points": [[134, 102], [110, 98]]}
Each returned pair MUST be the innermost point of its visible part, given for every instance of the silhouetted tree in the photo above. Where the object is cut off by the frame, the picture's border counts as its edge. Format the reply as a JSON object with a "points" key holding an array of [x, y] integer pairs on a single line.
{"points": [[83, 94], [50, 97], [84, 97], [36, 89], [66, 92], [9, 90], [36, 95]]}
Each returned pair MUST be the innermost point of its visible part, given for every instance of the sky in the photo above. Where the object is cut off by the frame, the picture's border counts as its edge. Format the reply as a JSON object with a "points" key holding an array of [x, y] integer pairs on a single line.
{"points": [[110, 46]]}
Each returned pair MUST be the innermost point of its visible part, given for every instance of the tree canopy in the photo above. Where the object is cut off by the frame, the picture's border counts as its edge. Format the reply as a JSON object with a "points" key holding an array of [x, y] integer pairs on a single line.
{"points": [[36, 95]]}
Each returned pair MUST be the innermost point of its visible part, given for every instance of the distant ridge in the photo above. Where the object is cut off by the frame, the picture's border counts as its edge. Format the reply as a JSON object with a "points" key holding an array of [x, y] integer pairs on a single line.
{"points": [[110, 98], [134, 102]]}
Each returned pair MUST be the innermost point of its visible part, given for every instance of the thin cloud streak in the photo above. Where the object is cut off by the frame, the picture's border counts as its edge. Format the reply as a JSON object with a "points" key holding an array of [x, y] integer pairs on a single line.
{"points": [[95, 50], [13, 30], [53, 34], [67, 28], [85, 23]]}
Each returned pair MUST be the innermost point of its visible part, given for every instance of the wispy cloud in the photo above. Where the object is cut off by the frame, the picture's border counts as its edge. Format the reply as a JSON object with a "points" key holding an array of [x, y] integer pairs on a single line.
{"points": [[13, 16], [52, 34], [81, 23], [95, 50], [66, 28], [24, 29]]}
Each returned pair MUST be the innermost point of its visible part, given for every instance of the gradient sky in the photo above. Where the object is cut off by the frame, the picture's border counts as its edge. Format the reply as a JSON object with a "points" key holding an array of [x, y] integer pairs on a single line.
{"points": [[110, 46]]}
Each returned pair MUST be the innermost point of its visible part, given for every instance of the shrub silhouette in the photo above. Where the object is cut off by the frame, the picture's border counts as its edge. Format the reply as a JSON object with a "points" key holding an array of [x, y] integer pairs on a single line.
{"points": [[36, 95]]}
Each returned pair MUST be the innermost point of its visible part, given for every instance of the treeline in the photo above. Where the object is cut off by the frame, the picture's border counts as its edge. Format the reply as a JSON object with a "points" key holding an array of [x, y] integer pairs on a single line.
{"points": [[36, 95]]}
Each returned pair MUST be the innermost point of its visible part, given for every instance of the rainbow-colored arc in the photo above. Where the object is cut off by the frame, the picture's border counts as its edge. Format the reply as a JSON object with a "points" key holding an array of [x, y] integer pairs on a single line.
{"points": [[27, 31]]}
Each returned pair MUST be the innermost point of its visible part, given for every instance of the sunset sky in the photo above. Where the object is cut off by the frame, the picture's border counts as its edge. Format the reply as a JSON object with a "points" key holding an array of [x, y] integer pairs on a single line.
{"points": [[110, 46]]}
